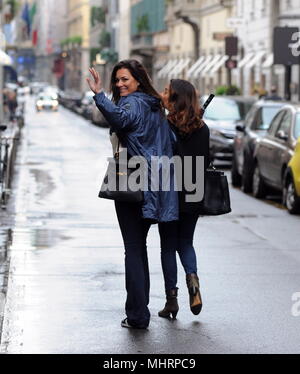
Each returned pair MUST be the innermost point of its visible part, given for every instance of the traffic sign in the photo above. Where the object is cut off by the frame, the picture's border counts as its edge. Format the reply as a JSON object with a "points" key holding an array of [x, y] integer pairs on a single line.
{"points": [[285, 45]]}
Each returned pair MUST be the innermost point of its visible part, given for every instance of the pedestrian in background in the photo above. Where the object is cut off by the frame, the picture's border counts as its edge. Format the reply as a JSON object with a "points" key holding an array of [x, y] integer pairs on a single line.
{"points": [[185, 118], [12, 104], [136, 115], [273, 95]]}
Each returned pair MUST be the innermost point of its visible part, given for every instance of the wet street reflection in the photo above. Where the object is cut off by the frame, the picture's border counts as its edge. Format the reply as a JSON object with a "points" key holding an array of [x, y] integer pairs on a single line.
{"points": [[66, 290]]}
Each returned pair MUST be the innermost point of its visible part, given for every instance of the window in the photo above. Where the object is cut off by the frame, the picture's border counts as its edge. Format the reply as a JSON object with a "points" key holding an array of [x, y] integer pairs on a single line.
{"points": [[223, 110], [275, 123], [264, 117], [297, 127], [250, 116], [286, 123]]}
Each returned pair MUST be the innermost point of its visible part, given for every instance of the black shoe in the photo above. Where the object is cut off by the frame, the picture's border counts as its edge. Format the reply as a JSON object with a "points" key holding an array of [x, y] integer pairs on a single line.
{"points": [[171, 307], [126, 324], [192, 282]]}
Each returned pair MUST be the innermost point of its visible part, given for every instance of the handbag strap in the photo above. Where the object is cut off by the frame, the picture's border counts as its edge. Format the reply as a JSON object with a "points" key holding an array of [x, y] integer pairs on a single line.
{"points": [[211, 166], [117, 154]]}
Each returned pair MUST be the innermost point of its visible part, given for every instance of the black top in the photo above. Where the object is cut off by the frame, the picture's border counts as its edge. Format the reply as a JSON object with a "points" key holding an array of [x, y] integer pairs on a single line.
{"points": [[194, 144]]}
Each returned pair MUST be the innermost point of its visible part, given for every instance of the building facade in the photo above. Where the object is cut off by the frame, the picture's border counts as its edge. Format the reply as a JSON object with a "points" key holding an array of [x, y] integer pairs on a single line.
{"points": [[197, 30], [76, 46], [148, 32], [49, 27], [256, 71]]}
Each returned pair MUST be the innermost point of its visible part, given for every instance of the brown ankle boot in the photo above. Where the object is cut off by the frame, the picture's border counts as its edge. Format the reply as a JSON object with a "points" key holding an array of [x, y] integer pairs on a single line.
{"points": [[192, 282], [171, 307]]}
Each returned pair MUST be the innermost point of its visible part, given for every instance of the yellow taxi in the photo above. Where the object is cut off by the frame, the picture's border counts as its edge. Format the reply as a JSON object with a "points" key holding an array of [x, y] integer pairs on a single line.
{"points": [[291, 191]]}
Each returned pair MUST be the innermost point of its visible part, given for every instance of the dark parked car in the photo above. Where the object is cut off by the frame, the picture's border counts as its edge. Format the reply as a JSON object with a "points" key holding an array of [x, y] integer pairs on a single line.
{"points": [[222, 117], [70, 99], [274, 151], [86, 105], [255, 127]]}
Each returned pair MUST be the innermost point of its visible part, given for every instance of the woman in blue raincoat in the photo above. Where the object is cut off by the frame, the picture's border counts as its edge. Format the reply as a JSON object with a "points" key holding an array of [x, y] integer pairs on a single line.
{"points": [[136, 115]]}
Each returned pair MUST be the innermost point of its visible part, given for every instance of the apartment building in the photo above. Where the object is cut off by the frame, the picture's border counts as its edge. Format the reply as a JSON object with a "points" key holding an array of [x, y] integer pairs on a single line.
{"points": [[48, 28], [197, 31], [77, 44], [149, 34], [256, 70]]}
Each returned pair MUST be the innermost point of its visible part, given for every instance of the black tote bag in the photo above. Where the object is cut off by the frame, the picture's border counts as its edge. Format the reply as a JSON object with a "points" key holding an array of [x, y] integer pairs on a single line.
{"points": [[216, 199], [121, 175]]}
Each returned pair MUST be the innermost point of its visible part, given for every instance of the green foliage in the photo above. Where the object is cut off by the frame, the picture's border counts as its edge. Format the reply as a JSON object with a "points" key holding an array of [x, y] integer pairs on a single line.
{"points": [[142, 23], [74, 40], [110, 55], [14, 6], [233, 90], [221, 90], [97, 15], [227, 90], [93, 54], [104, 39]]}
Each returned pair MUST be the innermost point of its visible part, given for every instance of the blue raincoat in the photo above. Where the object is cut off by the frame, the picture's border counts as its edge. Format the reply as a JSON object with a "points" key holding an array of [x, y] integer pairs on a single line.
{"points": [[144, 131]]}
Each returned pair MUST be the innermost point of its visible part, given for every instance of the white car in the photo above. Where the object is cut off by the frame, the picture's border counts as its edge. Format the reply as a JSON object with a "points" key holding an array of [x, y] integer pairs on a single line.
{"points": [[46, 101]]}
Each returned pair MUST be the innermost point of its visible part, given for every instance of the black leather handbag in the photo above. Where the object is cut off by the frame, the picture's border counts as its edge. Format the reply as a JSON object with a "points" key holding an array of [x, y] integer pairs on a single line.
{"points": [[216, 199], [120, 173]]}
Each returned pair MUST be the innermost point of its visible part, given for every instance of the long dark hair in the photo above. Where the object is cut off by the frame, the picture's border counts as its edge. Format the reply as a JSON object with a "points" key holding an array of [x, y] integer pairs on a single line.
{"points": [[139, 73], [185, 112]]}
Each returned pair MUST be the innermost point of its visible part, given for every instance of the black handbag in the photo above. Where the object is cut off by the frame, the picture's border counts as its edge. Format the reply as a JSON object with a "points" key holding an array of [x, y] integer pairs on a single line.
{"points": [[216, 199], [120, 173]]}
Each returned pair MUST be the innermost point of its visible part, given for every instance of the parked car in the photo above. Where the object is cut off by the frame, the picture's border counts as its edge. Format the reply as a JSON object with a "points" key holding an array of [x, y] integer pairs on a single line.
{"points": [[274, 151], [291, 183], [255, 127], [46, 102], [222, 117], [86, 105], [97, 116], [70, 99]]}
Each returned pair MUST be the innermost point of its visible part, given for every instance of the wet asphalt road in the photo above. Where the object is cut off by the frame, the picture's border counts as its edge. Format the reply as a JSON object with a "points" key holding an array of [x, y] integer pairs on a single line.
{"points": [[65, 291]]}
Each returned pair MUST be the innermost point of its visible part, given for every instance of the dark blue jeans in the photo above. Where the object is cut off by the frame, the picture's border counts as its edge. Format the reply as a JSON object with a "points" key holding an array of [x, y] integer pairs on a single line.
{"points": [[134, 231], [178, 236]]}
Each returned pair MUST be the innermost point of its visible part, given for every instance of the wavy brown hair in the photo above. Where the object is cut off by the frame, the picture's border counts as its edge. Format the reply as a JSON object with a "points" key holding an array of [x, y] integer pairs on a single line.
{"points": [[139, 73], [185, 112]]}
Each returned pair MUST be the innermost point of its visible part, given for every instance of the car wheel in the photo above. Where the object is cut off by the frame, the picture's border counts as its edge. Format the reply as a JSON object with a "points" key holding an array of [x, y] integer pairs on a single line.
{"points": [[292, 201], [258, 185], [235, 176]]}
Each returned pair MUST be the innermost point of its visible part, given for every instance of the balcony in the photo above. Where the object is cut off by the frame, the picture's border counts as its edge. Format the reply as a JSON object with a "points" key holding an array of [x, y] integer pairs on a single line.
{"points": [[142, 44]]}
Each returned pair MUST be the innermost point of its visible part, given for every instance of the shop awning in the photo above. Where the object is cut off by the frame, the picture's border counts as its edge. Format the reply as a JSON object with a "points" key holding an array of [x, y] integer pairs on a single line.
{"points": [[5, 59], [255, 60], [167, 68], [178, 69], [269, 61], [206, 61], [245, 60], [195, 66], [218, 65], [211, 64], [159, 64]]}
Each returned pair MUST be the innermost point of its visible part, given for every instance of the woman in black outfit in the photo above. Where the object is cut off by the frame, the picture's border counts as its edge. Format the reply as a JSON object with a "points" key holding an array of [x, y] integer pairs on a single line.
{"points": [[185, 118]]}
